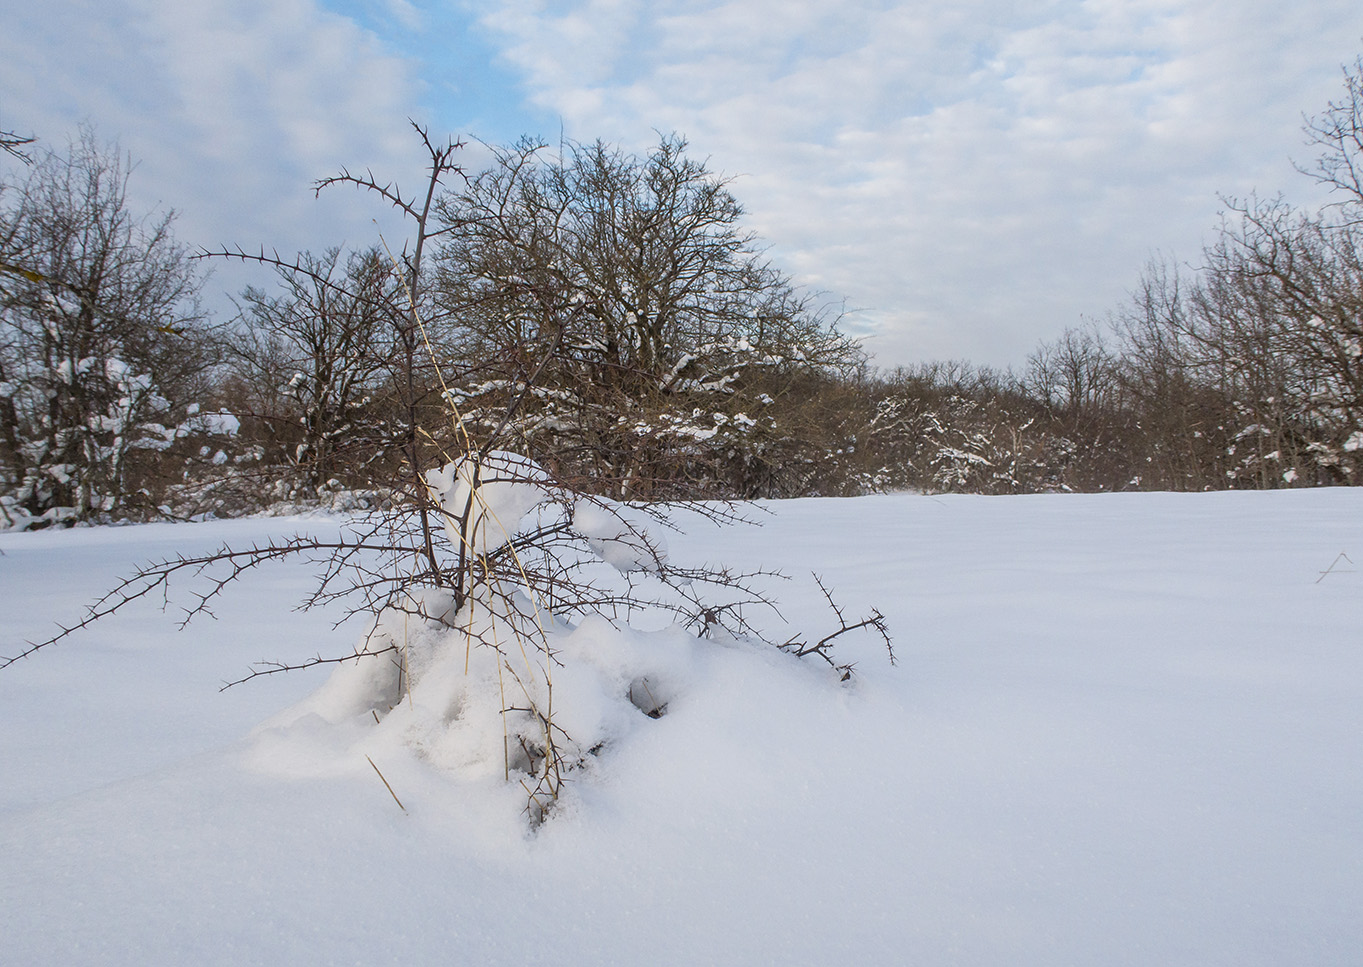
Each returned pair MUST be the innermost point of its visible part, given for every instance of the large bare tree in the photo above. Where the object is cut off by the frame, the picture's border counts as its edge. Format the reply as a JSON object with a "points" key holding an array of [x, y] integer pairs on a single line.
{"points": [[685, 335]]}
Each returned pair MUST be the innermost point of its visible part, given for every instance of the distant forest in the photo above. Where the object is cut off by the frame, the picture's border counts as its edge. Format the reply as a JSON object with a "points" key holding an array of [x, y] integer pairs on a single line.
{"points": [[606, 314]]}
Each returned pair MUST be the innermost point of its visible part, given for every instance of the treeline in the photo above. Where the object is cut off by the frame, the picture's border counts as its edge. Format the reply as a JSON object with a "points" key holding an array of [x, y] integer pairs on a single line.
{"points": [[609, 314]]}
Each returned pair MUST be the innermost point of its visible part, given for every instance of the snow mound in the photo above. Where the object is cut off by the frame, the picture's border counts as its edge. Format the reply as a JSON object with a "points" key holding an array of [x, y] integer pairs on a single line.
{"points": [[481, 705], [497, 491], [489, 684]]}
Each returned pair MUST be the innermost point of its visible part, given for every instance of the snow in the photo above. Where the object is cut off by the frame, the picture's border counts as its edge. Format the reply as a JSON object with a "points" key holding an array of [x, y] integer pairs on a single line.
{"points": [[623, 537], [496, 492], [216, 424], [1123, 729]]}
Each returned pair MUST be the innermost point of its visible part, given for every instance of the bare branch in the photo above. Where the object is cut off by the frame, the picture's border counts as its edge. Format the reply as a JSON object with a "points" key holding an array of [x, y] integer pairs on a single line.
{"points": [[221, 568], [11, 144], [263, 668], [823, 648]]}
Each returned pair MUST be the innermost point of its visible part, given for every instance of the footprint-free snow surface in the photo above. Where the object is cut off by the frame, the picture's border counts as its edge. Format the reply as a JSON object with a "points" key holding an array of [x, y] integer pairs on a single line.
{"points": [[1123, 729]]}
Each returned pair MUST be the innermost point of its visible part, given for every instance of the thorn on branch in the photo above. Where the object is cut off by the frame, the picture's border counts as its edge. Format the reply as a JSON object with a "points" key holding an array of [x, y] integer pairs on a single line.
{"points": [[263, 668], [823, 648]]}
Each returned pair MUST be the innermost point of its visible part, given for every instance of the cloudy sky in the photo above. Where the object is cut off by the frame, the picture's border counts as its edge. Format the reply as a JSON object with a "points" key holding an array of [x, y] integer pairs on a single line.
{"points": [[969, 177]]}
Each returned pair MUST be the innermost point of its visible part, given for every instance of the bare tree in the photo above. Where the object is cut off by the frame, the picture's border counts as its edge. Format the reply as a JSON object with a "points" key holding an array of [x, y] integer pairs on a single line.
{"points": [[1281, 329], [101, 339], [315, 361], [1182, 423], [1247, 373], [1338, 133], [1074, 375], [685, 334]]}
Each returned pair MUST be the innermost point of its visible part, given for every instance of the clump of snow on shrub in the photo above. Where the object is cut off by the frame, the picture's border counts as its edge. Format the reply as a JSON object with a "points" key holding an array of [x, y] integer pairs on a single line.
{"points": [[442, 692], [497, 491], [499, 689], [626, 539]]}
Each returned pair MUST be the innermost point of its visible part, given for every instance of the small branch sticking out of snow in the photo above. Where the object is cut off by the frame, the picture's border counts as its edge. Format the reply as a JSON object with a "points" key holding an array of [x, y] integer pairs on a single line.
{"points": [[1331, 568], [386, 786]]}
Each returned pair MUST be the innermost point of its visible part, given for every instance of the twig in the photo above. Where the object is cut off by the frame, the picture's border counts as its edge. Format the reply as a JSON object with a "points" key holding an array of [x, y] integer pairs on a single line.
{"points": [[262, 668], [386, 786], [801, 648], [1331, 569]]}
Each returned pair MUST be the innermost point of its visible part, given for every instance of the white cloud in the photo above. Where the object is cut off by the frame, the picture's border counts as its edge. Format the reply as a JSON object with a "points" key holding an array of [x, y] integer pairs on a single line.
{"points": [[407, 16], [977, 175], [233, 108]]}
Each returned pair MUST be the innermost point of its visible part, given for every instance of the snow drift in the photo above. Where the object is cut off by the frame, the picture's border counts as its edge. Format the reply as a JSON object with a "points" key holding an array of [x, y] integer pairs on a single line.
{"points": [[1123, 730]]}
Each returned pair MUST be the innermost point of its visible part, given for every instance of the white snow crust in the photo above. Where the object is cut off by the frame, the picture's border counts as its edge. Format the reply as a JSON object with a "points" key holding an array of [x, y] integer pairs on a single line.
{"points": [[1123, 729]]}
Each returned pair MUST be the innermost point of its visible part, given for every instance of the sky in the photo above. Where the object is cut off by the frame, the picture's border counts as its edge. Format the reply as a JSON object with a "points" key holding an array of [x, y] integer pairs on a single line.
{"points": [[968, 179]]}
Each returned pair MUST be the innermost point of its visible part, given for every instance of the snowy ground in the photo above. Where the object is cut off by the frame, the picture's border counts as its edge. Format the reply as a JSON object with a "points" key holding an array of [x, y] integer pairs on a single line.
{"points": [[1124, 729]]}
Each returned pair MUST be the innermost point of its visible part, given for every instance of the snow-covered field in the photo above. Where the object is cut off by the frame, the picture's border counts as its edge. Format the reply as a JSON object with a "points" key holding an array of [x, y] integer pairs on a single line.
{"points": [[1123, 729]]}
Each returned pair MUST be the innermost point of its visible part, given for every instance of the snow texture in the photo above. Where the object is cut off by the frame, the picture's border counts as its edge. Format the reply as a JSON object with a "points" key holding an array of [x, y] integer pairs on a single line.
{"points": [[1124, 729]]}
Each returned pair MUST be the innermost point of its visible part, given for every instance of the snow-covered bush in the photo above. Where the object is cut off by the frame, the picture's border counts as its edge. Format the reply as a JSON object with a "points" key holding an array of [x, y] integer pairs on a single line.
{"points": [[503, 597], [961, 444], [515, 627], [523, 665]]}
